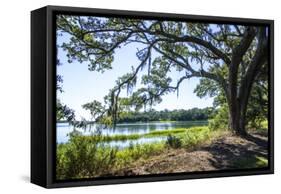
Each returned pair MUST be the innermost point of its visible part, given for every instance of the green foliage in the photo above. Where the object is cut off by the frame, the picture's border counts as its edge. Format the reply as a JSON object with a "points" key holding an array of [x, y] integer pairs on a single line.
{"points": [[220, 121], [261, 161], [264, 124], [194, 114], [257, 111], [80, 39], [108, 138], [95, 107], [173, 141], [84, 157], [196, 136], [87, 156], [182, 48], [166, 132], [206, 87], [63, 112], [206, 51], [134, 152]]}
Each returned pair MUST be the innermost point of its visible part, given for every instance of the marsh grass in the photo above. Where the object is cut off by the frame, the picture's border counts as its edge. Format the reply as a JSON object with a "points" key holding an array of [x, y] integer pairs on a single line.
{"points": [[90, 156], [197, 136], [83, 157], [108, 138], [139, 151], [173, 141]]}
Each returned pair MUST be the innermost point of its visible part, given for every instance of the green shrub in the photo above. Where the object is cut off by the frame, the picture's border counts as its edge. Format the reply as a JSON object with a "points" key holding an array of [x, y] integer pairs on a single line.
{"points": [[260, 124], [196, 136], [220, 121], [84, 157], [134, 152], [173, 141]]}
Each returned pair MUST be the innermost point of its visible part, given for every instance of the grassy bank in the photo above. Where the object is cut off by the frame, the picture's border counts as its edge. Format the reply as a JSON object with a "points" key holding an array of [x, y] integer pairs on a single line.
{"points": [[85, 157], [90, 156]]}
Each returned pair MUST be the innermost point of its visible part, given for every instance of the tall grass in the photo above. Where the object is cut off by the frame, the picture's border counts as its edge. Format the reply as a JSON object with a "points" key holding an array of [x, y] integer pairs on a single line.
{"points": [[84, 157], [196, 136], [193, 137], [127, 156], [173, 141], [88, 156]]}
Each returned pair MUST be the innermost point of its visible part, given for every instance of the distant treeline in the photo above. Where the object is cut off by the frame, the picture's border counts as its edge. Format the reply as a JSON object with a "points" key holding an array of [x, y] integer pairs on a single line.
{"points": [[167, 115]]}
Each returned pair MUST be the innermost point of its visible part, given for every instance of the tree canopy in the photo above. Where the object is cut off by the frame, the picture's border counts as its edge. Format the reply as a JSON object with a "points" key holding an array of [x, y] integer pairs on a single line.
{"points": [[231, 59]]}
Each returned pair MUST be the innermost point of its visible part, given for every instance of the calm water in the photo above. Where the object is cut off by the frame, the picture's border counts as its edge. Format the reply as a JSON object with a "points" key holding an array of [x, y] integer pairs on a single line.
{"points": [[63, 129]]}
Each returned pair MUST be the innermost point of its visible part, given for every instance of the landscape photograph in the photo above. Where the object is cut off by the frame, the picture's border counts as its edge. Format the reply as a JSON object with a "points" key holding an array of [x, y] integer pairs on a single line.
{"points": [[138, 96]]}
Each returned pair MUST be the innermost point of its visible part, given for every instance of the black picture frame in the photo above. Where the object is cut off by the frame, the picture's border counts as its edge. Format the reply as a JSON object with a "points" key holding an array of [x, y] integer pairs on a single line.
{"points": [[43, 96]]}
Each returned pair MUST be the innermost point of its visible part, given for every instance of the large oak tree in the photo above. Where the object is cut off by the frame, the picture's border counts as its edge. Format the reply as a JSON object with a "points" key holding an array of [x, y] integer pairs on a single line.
{"points": [[230, 56]]}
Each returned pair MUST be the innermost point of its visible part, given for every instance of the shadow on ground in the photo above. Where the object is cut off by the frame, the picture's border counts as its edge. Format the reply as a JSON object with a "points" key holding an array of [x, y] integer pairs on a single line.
{"points": [[227, 152], [25, 178], [235, 152]]}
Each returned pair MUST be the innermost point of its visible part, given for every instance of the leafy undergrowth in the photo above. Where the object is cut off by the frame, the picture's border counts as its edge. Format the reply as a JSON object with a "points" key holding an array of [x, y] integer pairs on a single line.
{"points": [[225, 152], [184, 150], [90, 156], [194, 137]]}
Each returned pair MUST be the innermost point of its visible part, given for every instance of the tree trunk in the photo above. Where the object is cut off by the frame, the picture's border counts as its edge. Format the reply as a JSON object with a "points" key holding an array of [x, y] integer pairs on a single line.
{"points": [[240, 101], [238, 96], [237, 118]]}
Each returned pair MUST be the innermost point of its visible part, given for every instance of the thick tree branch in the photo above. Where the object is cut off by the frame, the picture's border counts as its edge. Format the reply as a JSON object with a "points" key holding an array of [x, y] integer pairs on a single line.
{"points": [[192, 72], [239, 51], [198, 41], [186, 38], [237, 55], [258, 60]]}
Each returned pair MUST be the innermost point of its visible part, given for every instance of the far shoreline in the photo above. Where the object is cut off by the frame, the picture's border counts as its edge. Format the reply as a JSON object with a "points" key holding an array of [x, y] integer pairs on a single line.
{"points": [[140, 122]]}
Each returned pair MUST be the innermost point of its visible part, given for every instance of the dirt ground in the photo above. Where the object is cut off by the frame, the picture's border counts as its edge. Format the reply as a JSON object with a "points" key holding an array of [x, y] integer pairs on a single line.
{"points": [[222, 153]]}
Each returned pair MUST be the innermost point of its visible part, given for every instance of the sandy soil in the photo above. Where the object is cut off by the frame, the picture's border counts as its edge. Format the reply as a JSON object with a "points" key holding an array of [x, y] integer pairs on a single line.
{"points": [[219, 154]]}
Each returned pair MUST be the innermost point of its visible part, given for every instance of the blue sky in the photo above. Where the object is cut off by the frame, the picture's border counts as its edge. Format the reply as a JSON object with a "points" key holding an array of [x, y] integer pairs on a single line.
{"points": [[81, 85]]}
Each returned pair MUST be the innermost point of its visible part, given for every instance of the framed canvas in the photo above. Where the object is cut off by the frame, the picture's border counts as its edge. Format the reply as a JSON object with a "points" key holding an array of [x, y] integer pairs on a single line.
{"points": [[127, 96]]}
